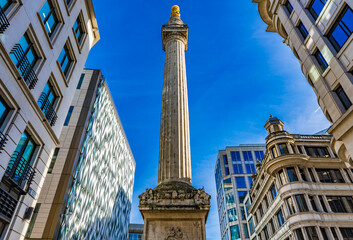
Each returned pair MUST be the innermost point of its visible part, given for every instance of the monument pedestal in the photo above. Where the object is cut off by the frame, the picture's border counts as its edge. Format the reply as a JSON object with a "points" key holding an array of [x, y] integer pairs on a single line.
{"points": [[174, 211]]}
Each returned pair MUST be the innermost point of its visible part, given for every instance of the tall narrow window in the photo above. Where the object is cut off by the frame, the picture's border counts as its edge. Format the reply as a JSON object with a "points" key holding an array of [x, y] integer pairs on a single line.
{"points": [[65, 60], [323, 205], [342, 29], [311, 175], [53, 160], [49, 17], [80, 81], [226, 167], [321, 60], [292, 174], [299, 234], [280, 218], [33, 220], [316, 7], [324, 234], [259, 155], [290, 205], [78, 29], [289, 7], [282, 177], [313, 203], [333, 230], [283, 149], [238, 167], [273, 191], [346, 102], [47, 101], [312, 233], [67, 120], [19, 168], [25, 58], [302, 174], [274, 152], [4, 111], [301, 202], [242, 210], [303, 31], [241, 195]]}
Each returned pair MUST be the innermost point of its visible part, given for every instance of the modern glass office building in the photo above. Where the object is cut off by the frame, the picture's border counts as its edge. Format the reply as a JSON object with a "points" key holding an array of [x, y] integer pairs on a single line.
{"points": [[233, 174]]}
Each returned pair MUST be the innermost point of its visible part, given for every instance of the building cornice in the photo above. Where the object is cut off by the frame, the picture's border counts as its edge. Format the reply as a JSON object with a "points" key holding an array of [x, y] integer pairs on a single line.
{"points": [[92, 16]]}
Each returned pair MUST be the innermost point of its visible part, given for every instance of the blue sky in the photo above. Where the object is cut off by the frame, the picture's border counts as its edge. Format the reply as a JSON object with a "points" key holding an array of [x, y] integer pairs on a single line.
{"points": [[238, 75]]}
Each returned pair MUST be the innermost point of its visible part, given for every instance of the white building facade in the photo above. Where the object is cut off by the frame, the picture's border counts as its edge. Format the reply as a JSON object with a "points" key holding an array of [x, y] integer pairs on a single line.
{"points": [[319, 32], [44, 45]]}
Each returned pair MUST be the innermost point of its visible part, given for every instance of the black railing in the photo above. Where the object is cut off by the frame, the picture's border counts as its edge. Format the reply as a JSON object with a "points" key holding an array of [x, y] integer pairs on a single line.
{"points": [[20, 173], [24, 66], [2, 140], [7, 204], [4, 23], [47, 109]]}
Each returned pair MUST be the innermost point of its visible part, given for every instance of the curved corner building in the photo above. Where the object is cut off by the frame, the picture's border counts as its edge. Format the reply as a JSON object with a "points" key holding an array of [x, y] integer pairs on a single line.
{"points": [[319, 32], [302, 190]]}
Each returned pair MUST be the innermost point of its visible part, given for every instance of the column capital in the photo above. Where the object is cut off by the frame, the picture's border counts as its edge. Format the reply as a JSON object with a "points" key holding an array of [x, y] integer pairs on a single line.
{"points": [[180, 32]]}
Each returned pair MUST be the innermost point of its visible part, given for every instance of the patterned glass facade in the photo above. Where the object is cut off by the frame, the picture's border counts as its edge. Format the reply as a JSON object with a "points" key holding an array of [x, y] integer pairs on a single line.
{"points": [[99, 203]]}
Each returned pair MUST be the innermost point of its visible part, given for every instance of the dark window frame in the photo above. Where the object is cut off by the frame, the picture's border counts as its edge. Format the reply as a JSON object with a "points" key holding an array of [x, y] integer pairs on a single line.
{"points": [[52, 13], [343, 97], [312, 11], [303, 31], [321, 60]]}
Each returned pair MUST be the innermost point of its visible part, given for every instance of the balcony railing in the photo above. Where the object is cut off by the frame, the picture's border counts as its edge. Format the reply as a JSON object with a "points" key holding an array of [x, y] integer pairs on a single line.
{"points": [[2, 140], [47, 109], [7, 204], [4, 23], [19, 173], [24, 66]]}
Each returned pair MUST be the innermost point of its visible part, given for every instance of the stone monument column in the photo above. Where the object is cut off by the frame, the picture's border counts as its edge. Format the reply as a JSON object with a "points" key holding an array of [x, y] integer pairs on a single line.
{"points": [[174, 210]]}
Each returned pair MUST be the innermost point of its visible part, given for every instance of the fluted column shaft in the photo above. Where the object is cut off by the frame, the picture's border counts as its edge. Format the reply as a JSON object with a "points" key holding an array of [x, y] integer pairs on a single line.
{"points": [[174, 150]]}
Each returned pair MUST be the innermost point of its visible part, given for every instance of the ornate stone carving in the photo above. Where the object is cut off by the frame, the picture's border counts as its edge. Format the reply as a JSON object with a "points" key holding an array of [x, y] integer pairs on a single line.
{"points": [[175, 233]]}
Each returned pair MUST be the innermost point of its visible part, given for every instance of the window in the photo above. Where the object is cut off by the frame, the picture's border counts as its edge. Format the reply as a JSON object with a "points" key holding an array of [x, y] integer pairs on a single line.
{"points": [[33, 220], [273, 229], [248, 156], [283, 149], [234, 232], [251, 226], [49, 17], [250, 168], [316, 7], [333, 230], [330, 176], [238, 168], [242, 210], [321, 60], [25, 58], [292, 175], [324, 234], [250, 181], [235, 156], [282, 177], [80, 81], [267, 236], [53, 159], [259, 155], [343, 97], [290, 205], [135, 236], [312, 233], [232, 215], [65, 60], [340, 204], [347, 233], [241, 195], [299, 234], [342, 29], [311, 175], [4, 5], [46, 102], [273, 191], [78, 30], [4, 111], [312, 202], [323, 205], [246, 232], [240, 182], [227, 183], [274, 152], [230, 199], [317, 152], [289, 7], [21, 160], [67, 120], [302, 174], [280, 218], [226, 168], [261, 210], [301, 202], [303, 31]]}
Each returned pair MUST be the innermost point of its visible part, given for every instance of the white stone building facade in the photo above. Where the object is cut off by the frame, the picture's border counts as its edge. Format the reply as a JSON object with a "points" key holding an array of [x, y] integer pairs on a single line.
{"points": [[44, 45], [319, 32], [302, 190]]}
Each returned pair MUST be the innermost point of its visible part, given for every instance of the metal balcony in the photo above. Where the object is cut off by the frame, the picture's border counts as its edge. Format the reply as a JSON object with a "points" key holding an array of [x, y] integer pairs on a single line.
{"points": [[19, 173], [2, 140], [48, 109], [24, 66], [7, 204], [4, 23]]}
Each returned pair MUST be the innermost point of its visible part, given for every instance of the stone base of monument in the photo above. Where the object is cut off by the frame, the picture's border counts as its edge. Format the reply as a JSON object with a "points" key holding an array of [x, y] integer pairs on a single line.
{"points": [[174, 211]]}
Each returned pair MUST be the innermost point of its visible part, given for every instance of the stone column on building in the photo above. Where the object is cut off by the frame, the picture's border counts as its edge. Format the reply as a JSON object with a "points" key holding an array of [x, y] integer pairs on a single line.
{"points": [[174, 209]]}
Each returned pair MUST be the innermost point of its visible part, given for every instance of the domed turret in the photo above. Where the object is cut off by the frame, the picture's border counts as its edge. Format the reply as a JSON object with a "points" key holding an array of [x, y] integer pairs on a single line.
{"points": [[273, 125]]}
